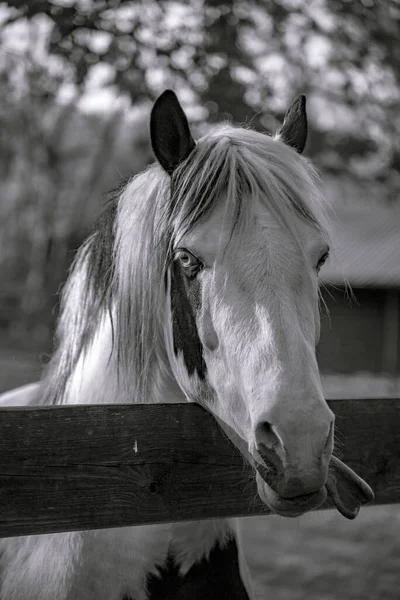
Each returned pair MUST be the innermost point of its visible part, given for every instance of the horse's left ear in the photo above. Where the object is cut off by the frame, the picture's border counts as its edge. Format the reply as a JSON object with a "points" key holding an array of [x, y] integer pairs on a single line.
{"points": [[171, 139], [294, 129]]}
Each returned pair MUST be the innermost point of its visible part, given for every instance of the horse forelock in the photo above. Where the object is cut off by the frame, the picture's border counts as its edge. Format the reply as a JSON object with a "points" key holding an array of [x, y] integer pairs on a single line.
{"points": [[235, 163]]}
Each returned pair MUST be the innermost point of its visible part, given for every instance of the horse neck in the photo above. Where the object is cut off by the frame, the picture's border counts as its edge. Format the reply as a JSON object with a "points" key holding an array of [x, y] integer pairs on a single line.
{"points": [[96, 378]]}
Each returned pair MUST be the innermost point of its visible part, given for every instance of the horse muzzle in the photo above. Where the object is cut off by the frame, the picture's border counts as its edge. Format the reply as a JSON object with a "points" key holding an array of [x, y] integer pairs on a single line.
{"points": [[341, 485]]}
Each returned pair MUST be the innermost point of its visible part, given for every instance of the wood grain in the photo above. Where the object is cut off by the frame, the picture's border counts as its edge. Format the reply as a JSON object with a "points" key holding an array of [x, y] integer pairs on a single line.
{"points": [[87, 467]]}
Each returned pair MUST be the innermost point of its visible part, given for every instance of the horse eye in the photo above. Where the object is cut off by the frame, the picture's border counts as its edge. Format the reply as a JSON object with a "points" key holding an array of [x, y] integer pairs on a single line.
{"points": [[188, 260], [322, 260]]}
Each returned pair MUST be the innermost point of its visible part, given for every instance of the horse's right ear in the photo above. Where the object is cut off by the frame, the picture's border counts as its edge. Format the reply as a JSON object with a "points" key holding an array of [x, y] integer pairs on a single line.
{"points": [[294, 129], [171, 139]]}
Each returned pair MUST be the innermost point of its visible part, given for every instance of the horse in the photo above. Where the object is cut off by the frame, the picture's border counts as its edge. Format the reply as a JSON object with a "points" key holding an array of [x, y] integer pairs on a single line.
{"points": [[199, 283]]}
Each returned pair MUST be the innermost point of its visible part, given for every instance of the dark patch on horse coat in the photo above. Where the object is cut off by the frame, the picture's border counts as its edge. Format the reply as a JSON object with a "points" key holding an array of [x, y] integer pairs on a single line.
{"points": [[185, 301], [213, 579]]}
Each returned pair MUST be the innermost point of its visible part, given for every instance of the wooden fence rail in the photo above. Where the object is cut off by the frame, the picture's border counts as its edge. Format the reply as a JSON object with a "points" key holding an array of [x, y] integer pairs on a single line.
{"points": [[87, 467]]}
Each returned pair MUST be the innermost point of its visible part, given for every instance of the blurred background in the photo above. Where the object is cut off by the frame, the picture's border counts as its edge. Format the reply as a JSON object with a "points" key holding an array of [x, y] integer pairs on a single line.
{"points": [[77, 80]]}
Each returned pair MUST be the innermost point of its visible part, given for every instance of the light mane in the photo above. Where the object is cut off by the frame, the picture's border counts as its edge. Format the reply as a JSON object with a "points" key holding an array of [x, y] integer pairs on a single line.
{"points": [[152, 212]]}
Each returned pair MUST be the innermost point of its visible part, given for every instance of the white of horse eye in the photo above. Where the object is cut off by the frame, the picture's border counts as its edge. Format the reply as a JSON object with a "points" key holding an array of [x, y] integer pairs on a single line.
{"points": [[322, 260], [188, 260]]}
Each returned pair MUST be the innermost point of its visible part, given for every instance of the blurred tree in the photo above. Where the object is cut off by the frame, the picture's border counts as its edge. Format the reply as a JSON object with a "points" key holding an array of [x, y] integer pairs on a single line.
{"points": [[56, 164], [242, 59]]}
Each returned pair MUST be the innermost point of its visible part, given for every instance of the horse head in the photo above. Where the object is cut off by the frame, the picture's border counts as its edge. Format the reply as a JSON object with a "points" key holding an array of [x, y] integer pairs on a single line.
{"points": [[246, 241]]}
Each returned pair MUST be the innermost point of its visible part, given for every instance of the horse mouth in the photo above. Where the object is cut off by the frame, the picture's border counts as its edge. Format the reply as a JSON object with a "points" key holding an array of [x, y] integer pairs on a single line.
{"points": [[289, 507]]}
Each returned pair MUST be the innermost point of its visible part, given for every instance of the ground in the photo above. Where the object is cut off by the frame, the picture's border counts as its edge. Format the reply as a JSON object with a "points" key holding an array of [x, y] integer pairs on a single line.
{"points": [[320, 556], [323, 556]]}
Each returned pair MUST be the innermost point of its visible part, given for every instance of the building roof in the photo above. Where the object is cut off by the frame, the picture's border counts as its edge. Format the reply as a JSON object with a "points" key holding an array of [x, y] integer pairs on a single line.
{"points": [[366, 248]]}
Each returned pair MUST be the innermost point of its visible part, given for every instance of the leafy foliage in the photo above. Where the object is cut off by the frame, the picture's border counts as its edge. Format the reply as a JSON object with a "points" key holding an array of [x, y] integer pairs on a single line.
{"points": [[242, 58]]}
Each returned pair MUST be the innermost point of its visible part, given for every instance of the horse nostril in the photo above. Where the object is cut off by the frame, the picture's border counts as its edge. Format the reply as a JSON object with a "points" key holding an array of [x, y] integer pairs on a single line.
{"points": [[265, 435], [272, 470]]}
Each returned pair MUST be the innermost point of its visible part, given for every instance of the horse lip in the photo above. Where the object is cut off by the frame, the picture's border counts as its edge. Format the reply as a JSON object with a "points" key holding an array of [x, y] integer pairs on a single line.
{"points": [[300, 497], [300, 504], [290, 507]]}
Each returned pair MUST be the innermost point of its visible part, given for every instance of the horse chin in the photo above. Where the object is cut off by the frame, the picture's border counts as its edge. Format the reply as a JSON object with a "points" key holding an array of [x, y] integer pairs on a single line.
{"points": [[289, 507]]}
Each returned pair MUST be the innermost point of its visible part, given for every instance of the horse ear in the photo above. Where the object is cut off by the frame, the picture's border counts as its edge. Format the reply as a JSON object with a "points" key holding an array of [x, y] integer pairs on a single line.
{"points": [[171, 139], [294, 129]]}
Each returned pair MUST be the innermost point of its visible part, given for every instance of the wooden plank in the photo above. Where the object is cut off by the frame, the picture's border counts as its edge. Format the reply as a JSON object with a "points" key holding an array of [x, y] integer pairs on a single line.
{"points": [[87, 467]]}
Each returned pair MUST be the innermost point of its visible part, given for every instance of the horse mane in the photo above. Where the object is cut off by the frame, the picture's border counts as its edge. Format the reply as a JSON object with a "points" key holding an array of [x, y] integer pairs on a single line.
{"points": [[120, 269]]}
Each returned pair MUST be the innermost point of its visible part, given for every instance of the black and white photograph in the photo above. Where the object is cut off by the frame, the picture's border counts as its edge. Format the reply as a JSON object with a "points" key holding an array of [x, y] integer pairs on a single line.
{"points": [[199, 300]]}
